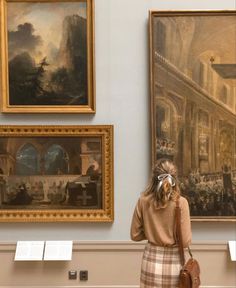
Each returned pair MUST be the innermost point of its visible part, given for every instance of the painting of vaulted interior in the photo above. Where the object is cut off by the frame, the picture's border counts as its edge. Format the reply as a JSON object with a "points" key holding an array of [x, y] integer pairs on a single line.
{"points": [[50, 172], [195, 106]]}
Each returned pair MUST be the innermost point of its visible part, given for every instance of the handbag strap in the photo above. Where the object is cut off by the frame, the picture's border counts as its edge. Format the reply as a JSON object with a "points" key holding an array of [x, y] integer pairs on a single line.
{"points": [[179, 239]]}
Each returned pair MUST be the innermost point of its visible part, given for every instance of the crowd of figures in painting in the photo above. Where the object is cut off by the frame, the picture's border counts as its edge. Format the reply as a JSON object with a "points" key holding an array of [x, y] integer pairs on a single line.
{"points": [[211, 194]]}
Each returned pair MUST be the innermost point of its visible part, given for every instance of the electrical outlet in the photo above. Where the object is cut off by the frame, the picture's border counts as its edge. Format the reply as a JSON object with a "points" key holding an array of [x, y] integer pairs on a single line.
{"points": [[72, 274], [83, 275]]}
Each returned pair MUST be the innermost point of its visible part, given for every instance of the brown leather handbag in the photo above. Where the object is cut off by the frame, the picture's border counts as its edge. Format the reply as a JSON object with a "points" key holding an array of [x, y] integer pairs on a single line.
{"points": [[189, 276]]}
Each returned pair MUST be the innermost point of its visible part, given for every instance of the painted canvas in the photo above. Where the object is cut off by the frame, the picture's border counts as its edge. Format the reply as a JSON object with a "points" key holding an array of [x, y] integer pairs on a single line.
{"points": [[56, 173], [193, 105], [49, 56]]}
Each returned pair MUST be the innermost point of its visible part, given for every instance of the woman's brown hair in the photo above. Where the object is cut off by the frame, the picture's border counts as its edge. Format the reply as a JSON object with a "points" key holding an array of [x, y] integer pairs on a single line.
{"points": [[168, 189]]}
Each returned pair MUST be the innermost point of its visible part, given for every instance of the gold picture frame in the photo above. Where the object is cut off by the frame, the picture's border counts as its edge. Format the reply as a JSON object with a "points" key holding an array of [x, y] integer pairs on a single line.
{"points": [[47, 56], [193, 111], [56, 173]]}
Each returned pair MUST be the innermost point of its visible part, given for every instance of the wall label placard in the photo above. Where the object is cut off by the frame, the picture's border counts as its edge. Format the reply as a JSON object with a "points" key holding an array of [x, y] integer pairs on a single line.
{"points": [[43, 250]]}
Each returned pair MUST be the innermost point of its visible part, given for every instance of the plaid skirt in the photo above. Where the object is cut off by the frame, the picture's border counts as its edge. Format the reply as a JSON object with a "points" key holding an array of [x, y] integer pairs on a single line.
{"points": [[160, 267]]}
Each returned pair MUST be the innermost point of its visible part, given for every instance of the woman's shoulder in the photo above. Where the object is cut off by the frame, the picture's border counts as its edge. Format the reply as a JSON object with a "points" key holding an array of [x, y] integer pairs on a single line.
{"points": [[145, 198], [183, 201]]}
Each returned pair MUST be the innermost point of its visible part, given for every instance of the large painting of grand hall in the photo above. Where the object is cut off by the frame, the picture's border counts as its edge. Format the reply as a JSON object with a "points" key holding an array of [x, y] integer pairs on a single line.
{"points": [[193, 56]]}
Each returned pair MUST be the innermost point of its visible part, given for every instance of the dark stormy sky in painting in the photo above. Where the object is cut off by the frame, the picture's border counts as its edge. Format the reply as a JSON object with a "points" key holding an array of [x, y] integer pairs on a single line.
{"points": [[46, 21]]}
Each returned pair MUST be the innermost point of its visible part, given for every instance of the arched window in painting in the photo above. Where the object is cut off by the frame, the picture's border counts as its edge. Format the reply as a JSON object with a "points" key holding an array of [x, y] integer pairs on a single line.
{"points": [[56, 160], [163, 121], [27, 160], [224, 95]]}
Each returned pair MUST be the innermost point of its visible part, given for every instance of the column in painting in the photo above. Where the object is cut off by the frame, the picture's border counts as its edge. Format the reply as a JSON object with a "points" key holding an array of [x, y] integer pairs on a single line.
{"points": [[7, 164], [85, 157], [45, 184], [187, 152], [179, 155], [3, 162]]}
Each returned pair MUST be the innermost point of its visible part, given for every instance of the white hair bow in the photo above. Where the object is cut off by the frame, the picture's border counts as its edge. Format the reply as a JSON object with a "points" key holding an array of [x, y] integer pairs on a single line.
{"points": [[167, 177]]}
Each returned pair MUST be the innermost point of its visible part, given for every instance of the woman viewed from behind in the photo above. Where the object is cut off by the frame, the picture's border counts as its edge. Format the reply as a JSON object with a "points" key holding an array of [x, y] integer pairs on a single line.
{"points": [[154, 220]]}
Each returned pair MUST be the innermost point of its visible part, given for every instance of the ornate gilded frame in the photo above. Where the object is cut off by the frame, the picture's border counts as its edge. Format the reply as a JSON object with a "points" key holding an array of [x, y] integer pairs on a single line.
{"points": [[88, 106], [64, 212], [187, 123]]}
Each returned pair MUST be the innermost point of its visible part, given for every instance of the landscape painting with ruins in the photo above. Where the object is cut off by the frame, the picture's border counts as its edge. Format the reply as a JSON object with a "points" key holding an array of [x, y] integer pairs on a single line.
{"points": [[193, 105], [49, 51]]}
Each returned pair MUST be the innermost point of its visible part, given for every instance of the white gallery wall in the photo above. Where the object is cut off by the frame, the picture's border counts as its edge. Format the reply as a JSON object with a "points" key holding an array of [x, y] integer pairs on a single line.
{"points": [[122, 99]]}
